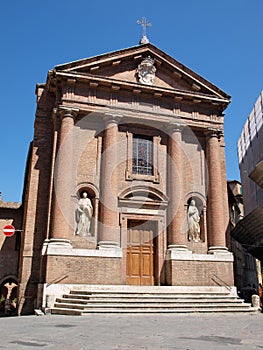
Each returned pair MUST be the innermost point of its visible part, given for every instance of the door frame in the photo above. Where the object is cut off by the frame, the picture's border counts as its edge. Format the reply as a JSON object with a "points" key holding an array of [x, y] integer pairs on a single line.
{"points": [[160, 243]]}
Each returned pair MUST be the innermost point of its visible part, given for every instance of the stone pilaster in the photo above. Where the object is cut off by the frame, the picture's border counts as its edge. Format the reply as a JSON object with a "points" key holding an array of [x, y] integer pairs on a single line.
{"points": [[216, 212], [109, 236], [61, 216], [176, 238]]}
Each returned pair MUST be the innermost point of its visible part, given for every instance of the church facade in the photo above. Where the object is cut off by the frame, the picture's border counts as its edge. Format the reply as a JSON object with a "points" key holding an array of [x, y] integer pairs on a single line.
{"points": [[125, 180]]}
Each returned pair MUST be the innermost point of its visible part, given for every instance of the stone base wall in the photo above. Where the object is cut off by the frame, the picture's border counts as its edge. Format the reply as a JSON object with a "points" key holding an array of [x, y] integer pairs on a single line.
{"points": [[199, 270], [68, 265], [88, 270]]}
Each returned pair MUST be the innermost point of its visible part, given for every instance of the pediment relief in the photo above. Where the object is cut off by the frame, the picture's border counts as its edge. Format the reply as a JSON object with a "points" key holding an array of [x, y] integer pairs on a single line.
{"points": [[129, 74], [143, 65]]}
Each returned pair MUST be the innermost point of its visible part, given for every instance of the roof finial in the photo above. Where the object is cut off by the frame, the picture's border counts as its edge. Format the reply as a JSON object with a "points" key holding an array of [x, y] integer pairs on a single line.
{"points": [[144, 24]]}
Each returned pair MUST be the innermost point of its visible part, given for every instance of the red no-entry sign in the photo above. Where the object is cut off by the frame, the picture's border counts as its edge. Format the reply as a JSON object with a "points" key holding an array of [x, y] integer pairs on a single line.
{"points": [[8, 230]]}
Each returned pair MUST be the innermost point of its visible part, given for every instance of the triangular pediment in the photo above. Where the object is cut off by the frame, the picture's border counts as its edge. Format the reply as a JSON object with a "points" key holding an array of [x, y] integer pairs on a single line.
{"points": [[124, 66]]}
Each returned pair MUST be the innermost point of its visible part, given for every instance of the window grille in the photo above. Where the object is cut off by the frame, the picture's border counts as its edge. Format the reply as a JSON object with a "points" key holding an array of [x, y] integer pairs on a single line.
{"points": [[142, 157]]}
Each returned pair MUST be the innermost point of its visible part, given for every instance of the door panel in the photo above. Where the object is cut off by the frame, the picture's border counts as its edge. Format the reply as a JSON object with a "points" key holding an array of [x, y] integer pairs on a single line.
{"points": [[140, 253]]}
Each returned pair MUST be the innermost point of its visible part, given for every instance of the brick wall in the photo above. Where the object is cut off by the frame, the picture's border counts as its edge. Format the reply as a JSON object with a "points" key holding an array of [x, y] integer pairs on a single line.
{"points": [[198, 273], [87, 270]]}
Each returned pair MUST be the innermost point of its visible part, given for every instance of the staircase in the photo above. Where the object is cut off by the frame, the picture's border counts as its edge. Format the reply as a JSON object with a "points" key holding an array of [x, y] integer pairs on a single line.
{"points": [[150, 300]]}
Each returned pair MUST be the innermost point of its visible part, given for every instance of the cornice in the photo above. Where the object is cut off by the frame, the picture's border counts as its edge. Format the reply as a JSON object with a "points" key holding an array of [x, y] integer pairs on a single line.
{"points": [[97, 81]]}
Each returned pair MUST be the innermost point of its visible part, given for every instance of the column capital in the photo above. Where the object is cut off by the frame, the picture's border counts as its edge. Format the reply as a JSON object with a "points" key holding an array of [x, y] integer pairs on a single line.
{"points": [[64, 111], [174, 126], [112, 118], [55, 118], [213, 132]]}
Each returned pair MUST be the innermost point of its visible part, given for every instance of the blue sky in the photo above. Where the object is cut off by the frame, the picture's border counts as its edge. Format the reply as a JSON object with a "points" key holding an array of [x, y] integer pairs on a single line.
{"points": [[220, 40]]}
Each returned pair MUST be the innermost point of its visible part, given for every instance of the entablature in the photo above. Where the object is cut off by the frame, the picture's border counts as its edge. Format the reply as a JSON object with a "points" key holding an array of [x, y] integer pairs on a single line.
{"points": [[150, 117], [64, 79]]}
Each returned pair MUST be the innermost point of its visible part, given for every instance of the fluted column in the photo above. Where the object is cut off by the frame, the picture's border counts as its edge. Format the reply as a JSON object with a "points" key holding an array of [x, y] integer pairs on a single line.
{"points": [[109, 224], [61, 215], [216, 212], [176, 238]]}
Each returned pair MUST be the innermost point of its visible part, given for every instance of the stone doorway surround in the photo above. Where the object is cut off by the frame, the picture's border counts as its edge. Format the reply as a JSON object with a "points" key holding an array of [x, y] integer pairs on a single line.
{"points": [[145, 204]]}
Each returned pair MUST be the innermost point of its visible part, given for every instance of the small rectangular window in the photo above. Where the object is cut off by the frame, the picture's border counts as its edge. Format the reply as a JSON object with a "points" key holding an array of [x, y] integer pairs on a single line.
{"points": [[142, 155]]}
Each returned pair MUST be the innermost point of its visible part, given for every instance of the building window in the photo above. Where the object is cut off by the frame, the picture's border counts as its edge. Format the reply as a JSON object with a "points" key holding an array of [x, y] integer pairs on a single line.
{"points": [[142, 155]]}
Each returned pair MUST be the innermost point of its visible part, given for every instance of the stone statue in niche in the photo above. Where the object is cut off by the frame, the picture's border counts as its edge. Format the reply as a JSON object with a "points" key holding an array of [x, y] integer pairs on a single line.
{"points": [[193, 219], [83, 213]]}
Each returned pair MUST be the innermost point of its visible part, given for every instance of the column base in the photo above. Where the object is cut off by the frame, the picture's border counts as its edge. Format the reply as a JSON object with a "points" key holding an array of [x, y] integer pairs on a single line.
{"points": [[217, 250], [108, 245], [59, 242], [178, 247]]}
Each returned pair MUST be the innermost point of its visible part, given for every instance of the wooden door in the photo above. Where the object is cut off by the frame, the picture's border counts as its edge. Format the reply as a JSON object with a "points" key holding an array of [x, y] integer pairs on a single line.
{"points": [[140, 253]]}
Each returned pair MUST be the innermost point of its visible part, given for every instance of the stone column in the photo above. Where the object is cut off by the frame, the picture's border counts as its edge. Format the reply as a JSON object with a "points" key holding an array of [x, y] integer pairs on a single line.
{"points": [[109, 236], [224, 181], [216, 232], [176, 238], [62, 216]]}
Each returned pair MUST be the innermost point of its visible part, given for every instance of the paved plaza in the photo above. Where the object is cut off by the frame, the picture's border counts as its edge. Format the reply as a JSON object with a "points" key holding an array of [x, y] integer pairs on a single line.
{"points": [[119, 332]]}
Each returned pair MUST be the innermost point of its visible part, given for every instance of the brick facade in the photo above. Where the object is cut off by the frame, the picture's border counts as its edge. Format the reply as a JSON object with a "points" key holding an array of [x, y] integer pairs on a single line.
{"points": [[88, 114]]}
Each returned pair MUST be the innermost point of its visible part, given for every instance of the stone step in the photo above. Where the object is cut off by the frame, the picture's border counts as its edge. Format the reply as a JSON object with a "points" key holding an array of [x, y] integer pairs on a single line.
{"points": [[148, 300], [150, 292], [147, 306], [164, 295], [68, 311], [127, 300], [146, 297]]}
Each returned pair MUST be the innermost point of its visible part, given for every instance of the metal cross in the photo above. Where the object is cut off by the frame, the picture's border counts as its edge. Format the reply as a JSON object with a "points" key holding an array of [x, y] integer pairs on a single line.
{"points": [[144, 24]]}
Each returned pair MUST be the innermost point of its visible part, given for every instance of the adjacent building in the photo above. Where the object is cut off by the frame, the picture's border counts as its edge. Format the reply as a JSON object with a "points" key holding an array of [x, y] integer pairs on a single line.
{"points": [[249, 231], [250, 157], [10, 214], [246, 268]]}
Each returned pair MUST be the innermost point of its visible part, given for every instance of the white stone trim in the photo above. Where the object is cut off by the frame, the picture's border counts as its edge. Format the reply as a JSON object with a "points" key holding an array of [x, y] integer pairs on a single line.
{"points": [[189, 256], [68, 251]]}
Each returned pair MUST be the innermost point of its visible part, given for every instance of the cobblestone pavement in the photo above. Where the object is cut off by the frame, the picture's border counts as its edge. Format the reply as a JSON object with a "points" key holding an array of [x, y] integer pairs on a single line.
{"points": [[115, 332]]}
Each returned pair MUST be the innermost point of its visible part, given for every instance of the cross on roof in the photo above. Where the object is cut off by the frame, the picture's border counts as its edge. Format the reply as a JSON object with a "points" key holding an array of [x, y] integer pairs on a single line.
{"points": [[143, 22]]}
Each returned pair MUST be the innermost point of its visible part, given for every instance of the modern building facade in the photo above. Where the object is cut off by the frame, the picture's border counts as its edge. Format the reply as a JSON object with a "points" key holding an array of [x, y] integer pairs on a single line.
{"points": [[250, 157], [249, 231], [126, 179]]}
